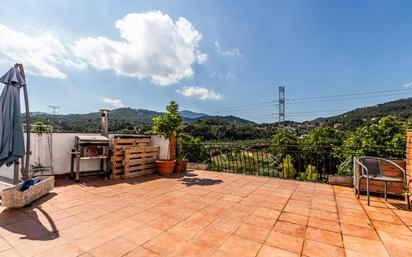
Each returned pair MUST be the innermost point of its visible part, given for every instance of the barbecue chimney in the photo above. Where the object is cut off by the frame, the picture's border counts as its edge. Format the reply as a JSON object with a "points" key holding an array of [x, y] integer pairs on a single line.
{"points": [[105, 122]]}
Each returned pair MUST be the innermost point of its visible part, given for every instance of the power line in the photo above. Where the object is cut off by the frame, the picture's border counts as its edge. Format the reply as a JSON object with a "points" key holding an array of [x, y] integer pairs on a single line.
{"points": [[239, 106], [352, 94]]}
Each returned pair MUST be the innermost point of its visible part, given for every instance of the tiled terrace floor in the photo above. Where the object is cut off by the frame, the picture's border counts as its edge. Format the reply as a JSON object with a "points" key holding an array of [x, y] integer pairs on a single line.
{"points": [[205, 214]]}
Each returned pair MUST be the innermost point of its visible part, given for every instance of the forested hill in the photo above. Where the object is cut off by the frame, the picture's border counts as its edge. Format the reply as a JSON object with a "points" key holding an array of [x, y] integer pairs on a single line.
{"points": [[401, 109], [121, 119]]}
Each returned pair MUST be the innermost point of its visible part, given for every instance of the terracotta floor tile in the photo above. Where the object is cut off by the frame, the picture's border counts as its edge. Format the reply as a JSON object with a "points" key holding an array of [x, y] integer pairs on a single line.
{"points": [[272, 205], [364, 222], [323, 215], [114, 248], [191, 249], [351, 253], [244, 208], [234, 198], [64, 250], [384, 217], [164, 244], [324, 224], [253, 232], [294, 218], [224, 225], [359, 231], [391, 227], [4, 245], [238, 246], [324, 236], [9, 253], [373, 247], [164, 222], [324, 207], [284, 241], [141, 252], [142, 234], [185, 229], [145, 216], [261, 221], [210, 238], [268, 251], [290, 229], [396, 243], [92, 240], [123, 227], [238, 216], [297, 210], [318, 249], [267, 213]]}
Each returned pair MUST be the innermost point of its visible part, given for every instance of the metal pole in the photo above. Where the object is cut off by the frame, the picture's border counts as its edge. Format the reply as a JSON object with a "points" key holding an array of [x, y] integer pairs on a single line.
{"points": [[25, 173]]}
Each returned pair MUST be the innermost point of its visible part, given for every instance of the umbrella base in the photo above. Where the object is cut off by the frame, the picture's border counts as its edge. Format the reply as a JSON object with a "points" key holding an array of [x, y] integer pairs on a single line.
{"points": [[14, 198]]}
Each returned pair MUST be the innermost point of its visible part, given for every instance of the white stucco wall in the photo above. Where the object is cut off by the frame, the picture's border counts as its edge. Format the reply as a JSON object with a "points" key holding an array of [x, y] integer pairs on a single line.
{"points": [[62, 145]]}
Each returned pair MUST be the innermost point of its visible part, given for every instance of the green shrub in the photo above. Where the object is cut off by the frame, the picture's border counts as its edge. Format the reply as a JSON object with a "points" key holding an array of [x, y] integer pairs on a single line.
{"points": [[288, 170], [310, 174], [191, 147]]}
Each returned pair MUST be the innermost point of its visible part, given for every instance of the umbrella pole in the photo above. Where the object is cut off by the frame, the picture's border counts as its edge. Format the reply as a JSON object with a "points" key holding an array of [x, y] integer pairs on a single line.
{"points": [[26, 162]]}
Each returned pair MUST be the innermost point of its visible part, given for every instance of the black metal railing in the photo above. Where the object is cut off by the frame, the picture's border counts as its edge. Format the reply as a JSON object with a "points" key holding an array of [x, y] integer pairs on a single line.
{"points": [[312, 163]]}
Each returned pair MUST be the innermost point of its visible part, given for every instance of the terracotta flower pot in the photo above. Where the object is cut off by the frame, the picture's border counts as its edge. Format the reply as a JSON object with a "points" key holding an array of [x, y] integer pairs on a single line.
{"points": [[183, 165], [165, 167], [178, 168]]}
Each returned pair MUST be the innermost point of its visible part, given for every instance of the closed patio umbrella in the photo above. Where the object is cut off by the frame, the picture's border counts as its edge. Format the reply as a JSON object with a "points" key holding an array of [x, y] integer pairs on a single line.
{"points": [[11, 133]]}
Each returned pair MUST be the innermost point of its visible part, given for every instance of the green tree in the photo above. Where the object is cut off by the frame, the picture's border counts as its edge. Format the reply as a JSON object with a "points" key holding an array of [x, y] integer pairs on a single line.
{"points": [[387, 138], [168, 123], [191, 147], [284, 142]]}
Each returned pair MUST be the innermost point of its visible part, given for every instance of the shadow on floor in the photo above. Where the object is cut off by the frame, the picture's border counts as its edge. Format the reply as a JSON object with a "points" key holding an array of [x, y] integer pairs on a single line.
{"points": [[28, 221], [192, 181], [99, 181]]}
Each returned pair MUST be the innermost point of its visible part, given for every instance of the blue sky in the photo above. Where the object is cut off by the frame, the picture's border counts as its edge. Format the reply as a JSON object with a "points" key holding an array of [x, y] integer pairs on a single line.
{"points": [[220, 54]]}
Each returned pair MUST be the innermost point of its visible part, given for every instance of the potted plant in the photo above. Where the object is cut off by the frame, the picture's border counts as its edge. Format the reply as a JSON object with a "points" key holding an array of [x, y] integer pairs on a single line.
{"points": [[166, 125], [181, 162]]}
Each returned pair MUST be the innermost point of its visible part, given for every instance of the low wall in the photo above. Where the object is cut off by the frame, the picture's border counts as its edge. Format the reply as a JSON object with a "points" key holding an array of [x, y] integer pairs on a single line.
{"points": [[62, 144]]}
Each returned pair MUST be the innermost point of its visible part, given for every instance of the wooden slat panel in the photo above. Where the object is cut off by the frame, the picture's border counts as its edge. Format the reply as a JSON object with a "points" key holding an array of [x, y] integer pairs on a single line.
{"points": [[140, 173], [140, 160]]}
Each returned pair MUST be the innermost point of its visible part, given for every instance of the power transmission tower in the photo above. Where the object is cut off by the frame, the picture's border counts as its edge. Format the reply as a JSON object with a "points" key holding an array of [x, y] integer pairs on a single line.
{"points": [[282, 105]]}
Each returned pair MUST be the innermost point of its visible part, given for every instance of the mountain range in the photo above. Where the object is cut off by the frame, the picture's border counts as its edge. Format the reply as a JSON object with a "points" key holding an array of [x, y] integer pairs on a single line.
{"points": [[129, 118]]}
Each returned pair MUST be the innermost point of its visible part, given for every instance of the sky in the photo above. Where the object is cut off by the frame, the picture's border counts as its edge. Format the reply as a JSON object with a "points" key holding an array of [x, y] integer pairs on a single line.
{"points": [[218, 56]]}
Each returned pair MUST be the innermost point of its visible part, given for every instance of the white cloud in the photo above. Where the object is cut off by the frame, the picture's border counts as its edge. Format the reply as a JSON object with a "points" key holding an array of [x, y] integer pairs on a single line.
{"points": [[42, 55], [200, 93], [407, 85], [228, 53], [152, 46], [115, 103]]}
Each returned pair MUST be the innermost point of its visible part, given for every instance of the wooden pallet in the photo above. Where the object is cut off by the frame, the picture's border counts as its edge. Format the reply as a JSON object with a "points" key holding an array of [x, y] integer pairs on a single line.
{"points": [[118, 148], [140, 160]]}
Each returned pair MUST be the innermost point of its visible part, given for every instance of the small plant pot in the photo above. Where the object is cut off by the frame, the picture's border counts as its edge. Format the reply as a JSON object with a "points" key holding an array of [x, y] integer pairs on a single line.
{"points": [[339, 180], [183, 165], [165, 167], [178, 168]]}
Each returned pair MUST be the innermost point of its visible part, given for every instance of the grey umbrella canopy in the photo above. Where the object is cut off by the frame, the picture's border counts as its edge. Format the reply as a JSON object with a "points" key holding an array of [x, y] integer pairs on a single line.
{"points": [[11, 133]]}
